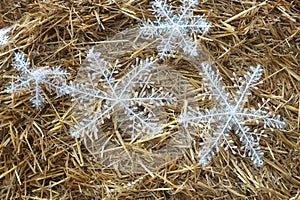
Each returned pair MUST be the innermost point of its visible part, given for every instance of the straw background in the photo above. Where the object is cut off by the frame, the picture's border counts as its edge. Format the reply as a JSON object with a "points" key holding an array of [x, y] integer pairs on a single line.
{"points": [[39, 160]]}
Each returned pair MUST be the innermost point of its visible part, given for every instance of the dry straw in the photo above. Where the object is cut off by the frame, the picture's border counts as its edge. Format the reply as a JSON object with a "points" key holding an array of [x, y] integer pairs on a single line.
{"points": [[39, 160]]}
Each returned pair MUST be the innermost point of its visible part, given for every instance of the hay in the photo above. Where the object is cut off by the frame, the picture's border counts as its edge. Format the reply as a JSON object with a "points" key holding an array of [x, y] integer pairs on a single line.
{"points": [[39, 160]]}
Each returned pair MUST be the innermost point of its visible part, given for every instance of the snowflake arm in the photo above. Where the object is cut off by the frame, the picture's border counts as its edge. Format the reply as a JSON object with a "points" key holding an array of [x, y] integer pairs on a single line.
{"points": [[4, 38]]}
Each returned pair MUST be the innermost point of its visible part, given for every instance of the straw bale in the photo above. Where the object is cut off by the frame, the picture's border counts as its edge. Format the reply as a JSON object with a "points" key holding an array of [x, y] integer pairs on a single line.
{"points": [[38, 158]]}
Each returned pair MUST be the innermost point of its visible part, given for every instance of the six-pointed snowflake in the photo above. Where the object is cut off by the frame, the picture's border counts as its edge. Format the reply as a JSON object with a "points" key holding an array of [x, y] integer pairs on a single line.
{"points": [[32, 80], [230, 113], [130, 99], [174, 29]]}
